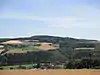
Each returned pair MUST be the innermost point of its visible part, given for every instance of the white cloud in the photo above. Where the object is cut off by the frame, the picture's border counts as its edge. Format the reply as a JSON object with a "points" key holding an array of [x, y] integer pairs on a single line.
{"points": [[82, 17], [68, 21]]}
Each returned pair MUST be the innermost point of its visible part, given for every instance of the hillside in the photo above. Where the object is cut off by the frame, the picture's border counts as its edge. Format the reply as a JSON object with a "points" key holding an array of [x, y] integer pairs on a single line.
{"points": [[45, 42], [48, 49]]}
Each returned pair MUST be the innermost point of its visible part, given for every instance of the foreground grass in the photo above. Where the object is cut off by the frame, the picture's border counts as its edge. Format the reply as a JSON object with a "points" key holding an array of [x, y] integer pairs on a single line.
{"points": [[50, 72]]}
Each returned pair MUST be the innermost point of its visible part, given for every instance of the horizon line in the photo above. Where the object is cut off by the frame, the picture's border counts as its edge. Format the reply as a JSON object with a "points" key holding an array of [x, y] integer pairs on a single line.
{"points": [[49, 35]]}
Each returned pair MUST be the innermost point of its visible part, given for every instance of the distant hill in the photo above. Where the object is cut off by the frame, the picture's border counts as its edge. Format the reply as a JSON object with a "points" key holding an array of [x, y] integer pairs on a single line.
{"points": [[46, 38], [69, 49]]}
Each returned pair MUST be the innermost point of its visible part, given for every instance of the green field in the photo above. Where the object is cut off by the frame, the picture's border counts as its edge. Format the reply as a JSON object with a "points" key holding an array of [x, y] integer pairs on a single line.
{"points": [[29, 46], [25, 66]]}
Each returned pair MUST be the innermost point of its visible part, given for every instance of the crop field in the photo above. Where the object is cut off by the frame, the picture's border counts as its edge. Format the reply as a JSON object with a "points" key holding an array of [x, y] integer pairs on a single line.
{"points": [[29, 46], [50, 72], [46, 46], [23, 50]]}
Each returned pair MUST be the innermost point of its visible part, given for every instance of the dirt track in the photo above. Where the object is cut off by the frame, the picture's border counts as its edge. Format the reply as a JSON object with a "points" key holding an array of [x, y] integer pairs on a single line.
{"points": [[50, 72]]}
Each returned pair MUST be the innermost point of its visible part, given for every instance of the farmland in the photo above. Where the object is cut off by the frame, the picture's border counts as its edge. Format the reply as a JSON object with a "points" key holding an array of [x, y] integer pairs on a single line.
{"points": [[63, 53], [29, 46], [46, 46]]}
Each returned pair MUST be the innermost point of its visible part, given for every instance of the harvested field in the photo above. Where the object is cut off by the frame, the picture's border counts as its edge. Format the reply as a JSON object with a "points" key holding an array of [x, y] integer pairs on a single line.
{"points": [[46, 46], [50, 72], [12, 42]]}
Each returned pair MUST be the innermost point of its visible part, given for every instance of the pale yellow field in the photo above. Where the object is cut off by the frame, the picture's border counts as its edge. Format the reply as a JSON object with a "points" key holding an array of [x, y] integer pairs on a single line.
{"points": [[46, 46], [12, 42], [50, 72]]}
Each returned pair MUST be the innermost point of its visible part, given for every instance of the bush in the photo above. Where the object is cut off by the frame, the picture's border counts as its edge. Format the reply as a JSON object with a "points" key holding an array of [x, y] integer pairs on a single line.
{"points": [[11, 68], [37, 45], [1, 68]]}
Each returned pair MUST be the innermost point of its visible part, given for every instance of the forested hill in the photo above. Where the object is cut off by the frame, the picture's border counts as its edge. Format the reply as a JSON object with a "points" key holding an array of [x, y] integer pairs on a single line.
{"points": [[47, 38]]}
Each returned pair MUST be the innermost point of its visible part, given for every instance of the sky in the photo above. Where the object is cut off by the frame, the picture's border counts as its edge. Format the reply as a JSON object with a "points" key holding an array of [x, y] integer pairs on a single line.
{"points": [[65, 18]]}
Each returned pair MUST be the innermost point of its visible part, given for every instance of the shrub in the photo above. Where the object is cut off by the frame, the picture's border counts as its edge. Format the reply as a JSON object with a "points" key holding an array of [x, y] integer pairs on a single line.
{"points": [[1, 68], [11, 68]]}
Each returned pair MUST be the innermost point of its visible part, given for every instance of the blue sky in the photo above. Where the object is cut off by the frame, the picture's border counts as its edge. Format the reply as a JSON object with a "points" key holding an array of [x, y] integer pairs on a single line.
{"points": [[70, 18]]}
